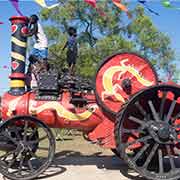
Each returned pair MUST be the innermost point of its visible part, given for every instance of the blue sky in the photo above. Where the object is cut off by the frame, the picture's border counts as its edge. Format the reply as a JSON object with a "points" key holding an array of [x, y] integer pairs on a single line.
{"points": [[167, 22]]}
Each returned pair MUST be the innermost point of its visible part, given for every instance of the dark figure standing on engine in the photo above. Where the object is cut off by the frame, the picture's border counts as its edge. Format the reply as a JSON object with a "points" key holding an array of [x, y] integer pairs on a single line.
{"points": [[72, 49], [39, 54]]}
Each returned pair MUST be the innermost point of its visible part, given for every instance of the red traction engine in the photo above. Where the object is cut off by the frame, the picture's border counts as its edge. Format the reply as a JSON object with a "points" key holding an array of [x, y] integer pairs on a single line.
{"points": [[125, 110]]}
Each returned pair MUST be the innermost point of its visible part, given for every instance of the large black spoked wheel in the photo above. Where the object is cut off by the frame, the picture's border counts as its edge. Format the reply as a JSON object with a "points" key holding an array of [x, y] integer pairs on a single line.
{"points": [[29, 148], [148, 133]]}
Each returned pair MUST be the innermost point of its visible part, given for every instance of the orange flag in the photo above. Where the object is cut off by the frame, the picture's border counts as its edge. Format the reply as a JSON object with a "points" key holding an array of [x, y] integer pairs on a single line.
{"points": [[122, 7]]}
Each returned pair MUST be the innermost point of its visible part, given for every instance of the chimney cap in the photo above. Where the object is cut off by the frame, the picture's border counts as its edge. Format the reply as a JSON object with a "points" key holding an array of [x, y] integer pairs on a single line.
{"points": [[19, 19]]}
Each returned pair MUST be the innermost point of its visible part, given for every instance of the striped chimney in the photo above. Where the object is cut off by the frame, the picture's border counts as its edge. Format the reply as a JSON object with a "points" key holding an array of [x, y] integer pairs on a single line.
{"points": [[18, 54]]}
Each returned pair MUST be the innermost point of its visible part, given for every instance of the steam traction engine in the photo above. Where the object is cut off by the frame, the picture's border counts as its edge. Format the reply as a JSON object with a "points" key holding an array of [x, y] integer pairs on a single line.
{"points": [[126, 111]]}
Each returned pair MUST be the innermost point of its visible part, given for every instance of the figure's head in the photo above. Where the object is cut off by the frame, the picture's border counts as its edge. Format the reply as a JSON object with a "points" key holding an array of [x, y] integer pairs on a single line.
{"points": [[72, 31], [33, 19]]}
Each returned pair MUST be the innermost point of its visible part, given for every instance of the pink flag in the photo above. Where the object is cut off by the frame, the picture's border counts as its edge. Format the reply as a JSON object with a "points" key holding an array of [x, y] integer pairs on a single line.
{"points": [[16, 5], [91, 2], [1, 22]]}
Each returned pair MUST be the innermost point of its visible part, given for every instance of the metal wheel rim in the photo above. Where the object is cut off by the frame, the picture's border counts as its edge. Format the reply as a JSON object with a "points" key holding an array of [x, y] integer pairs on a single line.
{"points": [[33, 173], [161, 151]]}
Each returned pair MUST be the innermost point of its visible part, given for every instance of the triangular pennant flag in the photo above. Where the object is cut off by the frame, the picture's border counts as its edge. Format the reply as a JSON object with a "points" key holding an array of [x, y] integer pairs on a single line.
{"points": [[16, 5], [122, 7], [94, 5], [91, 2], [43, 4]]}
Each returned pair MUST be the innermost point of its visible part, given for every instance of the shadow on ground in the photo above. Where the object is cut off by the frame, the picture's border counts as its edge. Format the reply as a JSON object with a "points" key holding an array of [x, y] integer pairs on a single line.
{"points": [[74, 158]]}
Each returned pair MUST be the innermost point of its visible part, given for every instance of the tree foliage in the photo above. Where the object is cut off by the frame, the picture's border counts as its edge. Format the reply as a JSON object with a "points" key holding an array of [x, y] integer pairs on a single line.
{"points": [[100, 36]]}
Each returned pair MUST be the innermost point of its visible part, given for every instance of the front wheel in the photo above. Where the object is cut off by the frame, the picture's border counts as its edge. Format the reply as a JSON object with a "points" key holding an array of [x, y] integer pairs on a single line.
{"points": [[30, 148]]}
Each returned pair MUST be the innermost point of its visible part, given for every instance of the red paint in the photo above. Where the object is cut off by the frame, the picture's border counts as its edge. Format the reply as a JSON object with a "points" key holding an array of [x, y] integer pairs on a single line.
{"points": [[14, 65], [17, 75], [24, 30], [18, 19], [110, 101], [14, 28]]}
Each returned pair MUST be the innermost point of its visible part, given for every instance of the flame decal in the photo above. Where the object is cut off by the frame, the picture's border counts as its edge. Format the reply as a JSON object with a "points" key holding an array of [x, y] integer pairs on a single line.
{"points": [[62, 112], [110, 89], [12, 106]]}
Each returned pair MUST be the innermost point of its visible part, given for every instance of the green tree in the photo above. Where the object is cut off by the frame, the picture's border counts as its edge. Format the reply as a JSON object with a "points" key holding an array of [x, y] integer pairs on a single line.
{"points": [[100, 36]]}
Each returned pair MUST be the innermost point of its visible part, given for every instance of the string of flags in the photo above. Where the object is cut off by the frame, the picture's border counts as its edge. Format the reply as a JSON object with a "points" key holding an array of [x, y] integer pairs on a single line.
{"points": [[42, 3], [93, 3]]}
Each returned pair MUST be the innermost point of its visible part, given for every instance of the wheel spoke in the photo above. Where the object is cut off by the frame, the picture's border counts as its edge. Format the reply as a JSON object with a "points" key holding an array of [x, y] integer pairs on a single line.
{"points": [[171, 159], [140, 108], [30, 166], [25, 131], [5, 134], [132, 131], [163, 100], [138, 155], [171, 109], [34, 131], [38, 140], [155, 115], [161, 168], [20, 165], [132, 118], [150, 156]]}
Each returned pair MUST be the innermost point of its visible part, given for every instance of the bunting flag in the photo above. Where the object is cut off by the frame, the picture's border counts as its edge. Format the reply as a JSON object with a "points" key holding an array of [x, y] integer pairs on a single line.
{"points": [[167, 4], [4, 67], [43, 4], [91, 3], [16, 5], [144, 3], [94, 5], [122, 7]]}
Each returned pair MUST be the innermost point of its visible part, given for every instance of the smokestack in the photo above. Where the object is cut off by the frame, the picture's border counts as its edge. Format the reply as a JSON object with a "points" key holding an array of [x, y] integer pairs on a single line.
{"points": [[18, 54]]}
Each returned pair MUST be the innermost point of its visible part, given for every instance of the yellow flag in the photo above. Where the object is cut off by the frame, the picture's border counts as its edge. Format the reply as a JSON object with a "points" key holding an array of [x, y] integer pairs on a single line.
{"points": [[43, 4]]}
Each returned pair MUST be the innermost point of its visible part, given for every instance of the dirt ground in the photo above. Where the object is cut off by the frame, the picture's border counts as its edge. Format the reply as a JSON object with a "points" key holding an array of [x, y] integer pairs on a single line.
{"points": [[77, 159]]}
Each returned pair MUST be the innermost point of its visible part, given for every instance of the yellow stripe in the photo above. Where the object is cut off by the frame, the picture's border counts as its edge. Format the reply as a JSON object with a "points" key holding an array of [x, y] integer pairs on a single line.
{"points": [[18, 42], [17, 83], [17, 56]]}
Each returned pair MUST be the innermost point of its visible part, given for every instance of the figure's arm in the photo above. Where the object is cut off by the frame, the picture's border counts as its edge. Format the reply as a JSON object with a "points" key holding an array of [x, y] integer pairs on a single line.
{"points": [[32, 31], [65, 46]]}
